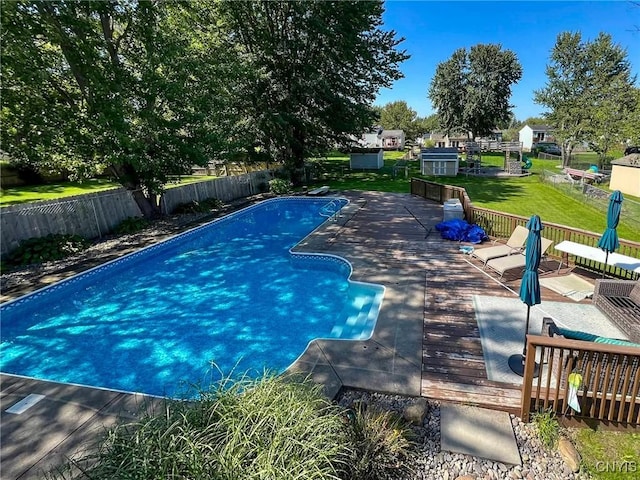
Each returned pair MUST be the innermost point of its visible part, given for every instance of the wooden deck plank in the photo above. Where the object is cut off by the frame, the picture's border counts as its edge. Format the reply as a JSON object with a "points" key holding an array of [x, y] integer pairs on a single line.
{"points": [[453, 366]]}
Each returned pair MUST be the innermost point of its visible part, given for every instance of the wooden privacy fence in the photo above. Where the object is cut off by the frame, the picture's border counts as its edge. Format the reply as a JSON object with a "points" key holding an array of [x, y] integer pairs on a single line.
{"points": [[91, 216], [96, 214], [223, 188], [500, 225], [609, 391]]}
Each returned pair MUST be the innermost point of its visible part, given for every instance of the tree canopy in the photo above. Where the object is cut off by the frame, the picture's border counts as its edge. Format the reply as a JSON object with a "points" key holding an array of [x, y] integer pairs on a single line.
{"points": [[471, 90], [399, 116], [589, 92], [122, 85], [148, 89], [319, 66]]}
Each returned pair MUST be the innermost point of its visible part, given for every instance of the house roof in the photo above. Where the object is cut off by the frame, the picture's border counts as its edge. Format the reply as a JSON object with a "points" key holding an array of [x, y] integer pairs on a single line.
{"points": [[539, 128], [631, 160], [392, 133]]}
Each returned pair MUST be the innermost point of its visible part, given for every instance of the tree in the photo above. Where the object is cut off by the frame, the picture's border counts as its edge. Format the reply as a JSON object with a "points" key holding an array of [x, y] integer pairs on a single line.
{"points": [[428, 124], [471, 90], [399, 116], [629, 128], [588, 92], [120, 85], [318, 65]]}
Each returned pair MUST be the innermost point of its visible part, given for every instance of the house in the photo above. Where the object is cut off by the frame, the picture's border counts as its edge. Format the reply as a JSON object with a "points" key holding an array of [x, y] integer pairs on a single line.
{"points": [[439, 161], [387, 139], [528, 135], [625, 174], [454, 140]]}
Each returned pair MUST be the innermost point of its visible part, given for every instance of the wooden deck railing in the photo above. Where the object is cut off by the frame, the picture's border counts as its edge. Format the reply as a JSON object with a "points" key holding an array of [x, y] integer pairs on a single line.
{"points": [[610, 390], [500, 225]]}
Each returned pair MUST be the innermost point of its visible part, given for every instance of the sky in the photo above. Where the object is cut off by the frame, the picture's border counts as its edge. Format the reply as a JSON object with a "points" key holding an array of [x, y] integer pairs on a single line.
{"points": [[434, 30]]}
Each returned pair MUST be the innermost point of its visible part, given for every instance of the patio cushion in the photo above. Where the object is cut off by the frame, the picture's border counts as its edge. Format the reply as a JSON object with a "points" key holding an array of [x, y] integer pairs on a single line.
{"points": [[589, 337]]}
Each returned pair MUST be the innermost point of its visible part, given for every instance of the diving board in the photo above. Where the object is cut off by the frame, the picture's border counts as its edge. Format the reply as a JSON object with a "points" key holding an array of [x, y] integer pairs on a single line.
{"points": [[319, 191]]}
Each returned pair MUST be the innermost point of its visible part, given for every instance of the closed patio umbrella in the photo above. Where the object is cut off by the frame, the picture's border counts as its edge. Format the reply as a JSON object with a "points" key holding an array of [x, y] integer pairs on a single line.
{"points": [[609, 239], [530, 286]]}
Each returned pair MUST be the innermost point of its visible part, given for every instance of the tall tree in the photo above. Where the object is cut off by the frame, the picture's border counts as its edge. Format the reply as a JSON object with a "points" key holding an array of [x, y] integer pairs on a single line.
{"points": [[471, 90], [319, 66], [122, 84], [428, 124], [588, 92], [630, 130], [399, 116]]}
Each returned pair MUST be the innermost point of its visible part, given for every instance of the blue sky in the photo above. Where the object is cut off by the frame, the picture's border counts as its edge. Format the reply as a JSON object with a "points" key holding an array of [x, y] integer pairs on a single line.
{"points": [[434, 30]]}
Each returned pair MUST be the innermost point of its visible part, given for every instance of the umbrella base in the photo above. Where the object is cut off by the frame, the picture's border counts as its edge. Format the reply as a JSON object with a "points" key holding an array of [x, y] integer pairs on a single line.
{"points": [[516, 364]]}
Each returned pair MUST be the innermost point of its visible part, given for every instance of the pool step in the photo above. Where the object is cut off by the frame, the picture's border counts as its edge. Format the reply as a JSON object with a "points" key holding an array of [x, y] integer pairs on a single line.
{"points": [[358, 319]]}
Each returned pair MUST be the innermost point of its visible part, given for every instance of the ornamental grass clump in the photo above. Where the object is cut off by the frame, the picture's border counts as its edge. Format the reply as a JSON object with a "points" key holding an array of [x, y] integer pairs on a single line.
{"points": [[382, 444], [547, 426], [271, 428]]}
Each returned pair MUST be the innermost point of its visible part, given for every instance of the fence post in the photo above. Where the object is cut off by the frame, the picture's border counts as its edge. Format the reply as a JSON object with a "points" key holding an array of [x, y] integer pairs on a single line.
{"points": [[527, 380]]}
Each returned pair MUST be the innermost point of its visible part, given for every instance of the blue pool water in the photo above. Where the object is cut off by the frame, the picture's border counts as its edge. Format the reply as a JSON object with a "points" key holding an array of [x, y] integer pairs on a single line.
{"points": [[225, 297]]}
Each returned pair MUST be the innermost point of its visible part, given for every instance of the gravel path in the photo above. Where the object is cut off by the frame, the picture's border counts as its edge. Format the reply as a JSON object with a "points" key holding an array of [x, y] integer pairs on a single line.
{"points": [[430, 463]]}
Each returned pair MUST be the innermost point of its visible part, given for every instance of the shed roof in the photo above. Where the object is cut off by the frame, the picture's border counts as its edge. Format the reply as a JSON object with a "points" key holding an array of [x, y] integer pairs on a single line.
{"points": [[631, 160]]}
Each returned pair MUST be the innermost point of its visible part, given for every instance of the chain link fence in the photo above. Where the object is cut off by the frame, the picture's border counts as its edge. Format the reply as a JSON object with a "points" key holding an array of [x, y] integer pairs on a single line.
{"points": [[594, 196]]}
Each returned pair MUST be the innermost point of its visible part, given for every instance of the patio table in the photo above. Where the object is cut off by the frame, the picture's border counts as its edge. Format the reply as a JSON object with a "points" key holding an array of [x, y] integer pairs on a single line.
{"points": [[597, 255]]}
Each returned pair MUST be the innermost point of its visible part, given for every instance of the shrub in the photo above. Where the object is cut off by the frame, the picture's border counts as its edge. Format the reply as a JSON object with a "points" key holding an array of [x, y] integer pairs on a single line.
{"points": [[253, 429], [202, 206], [131, 225], [46, 249], [279, 186], [381, 443], [548, 427]]}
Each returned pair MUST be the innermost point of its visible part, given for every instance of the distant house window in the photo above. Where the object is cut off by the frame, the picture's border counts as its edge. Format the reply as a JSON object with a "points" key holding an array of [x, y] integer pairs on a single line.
{"points": [[440, 144], [455, 143]]}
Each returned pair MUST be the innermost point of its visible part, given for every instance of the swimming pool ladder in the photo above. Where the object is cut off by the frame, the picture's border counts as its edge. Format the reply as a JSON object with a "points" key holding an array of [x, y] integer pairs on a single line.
{"points": [[330, 210]]}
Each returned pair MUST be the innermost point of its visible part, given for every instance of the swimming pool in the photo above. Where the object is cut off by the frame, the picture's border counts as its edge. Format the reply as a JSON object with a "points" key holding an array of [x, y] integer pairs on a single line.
{"points": [[225, 297]]}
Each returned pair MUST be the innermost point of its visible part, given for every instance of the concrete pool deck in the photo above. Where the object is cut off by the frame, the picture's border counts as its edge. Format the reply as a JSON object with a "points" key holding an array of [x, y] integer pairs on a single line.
{"points": [[387, 238]]}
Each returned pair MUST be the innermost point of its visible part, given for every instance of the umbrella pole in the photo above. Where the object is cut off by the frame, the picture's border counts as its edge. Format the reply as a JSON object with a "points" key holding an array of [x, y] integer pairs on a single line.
{"points": [[516, 362], [526, 331], [606, 259]]}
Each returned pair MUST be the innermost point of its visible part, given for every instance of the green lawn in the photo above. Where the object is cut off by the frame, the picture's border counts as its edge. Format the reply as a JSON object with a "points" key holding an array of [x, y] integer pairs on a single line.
{"points": [[34, 193], [609, 455], [517, 195]]}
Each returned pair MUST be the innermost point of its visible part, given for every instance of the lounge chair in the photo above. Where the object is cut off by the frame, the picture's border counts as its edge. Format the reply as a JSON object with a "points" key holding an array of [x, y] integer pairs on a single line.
{"points": [[519, 260], [515, 244]]}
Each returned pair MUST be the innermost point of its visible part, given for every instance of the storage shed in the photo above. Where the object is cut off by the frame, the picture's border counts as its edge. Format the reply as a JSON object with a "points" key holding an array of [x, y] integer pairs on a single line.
{"points": [[366, 158], [625, 175], [439, 161]]}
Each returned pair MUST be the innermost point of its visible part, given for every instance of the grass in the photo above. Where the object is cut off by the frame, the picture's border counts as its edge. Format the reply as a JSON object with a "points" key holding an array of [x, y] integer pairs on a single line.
{"points": [[522, 196], [275, 427], [35, 193], [55, 191], [609, 455], [548, 427], [516, 195]]}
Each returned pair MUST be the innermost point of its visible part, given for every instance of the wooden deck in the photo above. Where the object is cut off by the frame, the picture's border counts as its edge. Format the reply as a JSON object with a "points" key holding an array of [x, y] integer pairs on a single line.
{"points": [[453, 366]]}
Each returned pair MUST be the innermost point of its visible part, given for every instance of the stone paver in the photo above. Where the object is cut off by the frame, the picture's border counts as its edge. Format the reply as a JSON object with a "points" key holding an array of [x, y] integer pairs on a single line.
{"points": [[478, 432]]}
